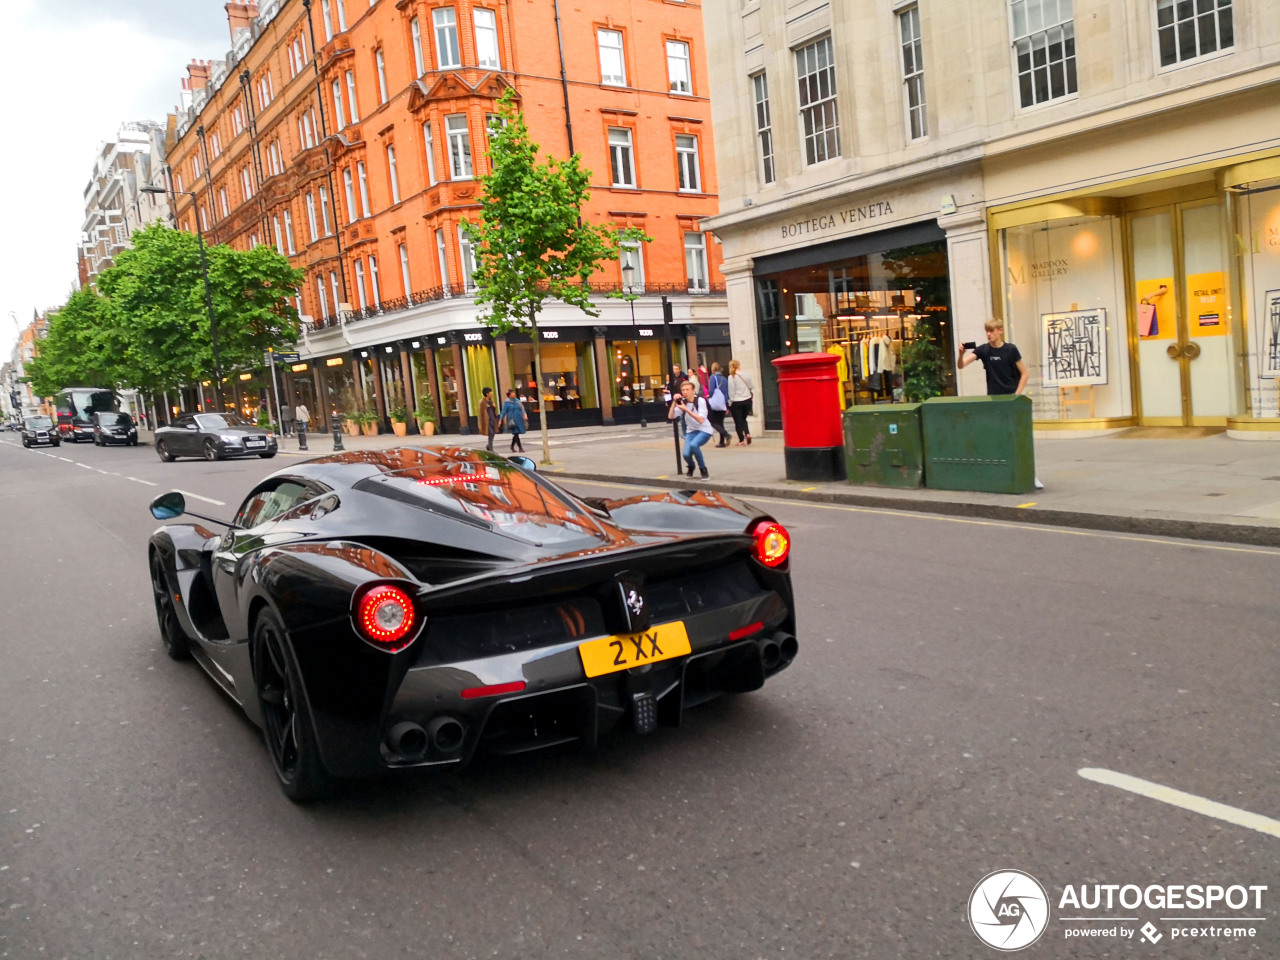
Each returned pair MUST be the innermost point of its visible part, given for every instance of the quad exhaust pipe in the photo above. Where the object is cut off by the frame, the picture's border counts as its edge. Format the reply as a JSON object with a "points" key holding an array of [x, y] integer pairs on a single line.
{"points": [[778, 651], [443, 737]]}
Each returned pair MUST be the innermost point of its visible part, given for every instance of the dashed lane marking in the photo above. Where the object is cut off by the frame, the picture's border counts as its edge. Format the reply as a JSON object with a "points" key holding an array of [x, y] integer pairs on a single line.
{"points": [[147, 482], [188, 493], [1180, 798]]}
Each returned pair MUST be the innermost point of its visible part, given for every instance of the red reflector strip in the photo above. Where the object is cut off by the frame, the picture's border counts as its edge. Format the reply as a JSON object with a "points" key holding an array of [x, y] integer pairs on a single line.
{"points": [[747, 631], [441, 481], [494, 690]]}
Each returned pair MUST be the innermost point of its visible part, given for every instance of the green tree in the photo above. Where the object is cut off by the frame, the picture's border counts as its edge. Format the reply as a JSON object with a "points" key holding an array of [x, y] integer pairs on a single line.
{"points": [[80, 348], [532, 244]]}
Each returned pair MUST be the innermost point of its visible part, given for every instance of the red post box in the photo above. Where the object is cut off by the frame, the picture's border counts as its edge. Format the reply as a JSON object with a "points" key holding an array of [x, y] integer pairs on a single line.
{"points": [[812, 432]]}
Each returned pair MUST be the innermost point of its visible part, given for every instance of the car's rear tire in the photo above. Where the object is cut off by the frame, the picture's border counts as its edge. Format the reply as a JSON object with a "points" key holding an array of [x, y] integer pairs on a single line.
{"points": [[287, 727], [267, 456], [176, 644], [211, 451], [162, 451]]}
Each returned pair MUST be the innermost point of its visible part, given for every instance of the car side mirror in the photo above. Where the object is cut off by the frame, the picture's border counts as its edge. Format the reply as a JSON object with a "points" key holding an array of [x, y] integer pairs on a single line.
{"points": [[525, 462], [168, 505]]}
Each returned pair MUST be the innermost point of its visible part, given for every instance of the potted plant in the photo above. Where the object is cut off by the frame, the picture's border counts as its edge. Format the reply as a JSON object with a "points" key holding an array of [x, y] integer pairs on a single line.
{"points": [[369, 423], [351, 423], [923, 367], [426, 414], [400, 420]]}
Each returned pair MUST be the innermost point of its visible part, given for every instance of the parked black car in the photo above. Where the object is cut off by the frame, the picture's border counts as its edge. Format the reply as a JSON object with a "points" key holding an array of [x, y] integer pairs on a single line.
{"points": [[214, 436], [375, 611], [114, 428], [37, 431]]}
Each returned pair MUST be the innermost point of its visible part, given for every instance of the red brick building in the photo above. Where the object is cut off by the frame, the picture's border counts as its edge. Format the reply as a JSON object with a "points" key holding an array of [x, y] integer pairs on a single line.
{"points": [[351, 135]]}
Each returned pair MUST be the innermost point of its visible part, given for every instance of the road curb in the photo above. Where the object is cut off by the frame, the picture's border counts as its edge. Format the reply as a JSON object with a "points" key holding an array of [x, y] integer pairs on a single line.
{"points": [[1253, 535]]}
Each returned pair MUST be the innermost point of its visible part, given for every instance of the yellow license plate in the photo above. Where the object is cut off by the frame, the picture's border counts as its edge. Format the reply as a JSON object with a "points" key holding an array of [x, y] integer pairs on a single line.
{"points": [[627, 650]]}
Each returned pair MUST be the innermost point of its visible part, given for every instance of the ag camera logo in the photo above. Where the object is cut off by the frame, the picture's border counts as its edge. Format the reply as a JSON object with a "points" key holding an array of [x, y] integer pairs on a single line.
{"points": [[1009, 910]]}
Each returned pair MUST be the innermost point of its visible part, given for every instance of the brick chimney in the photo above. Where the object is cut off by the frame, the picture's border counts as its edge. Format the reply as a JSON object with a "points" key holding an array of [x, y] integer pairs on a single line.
{"points": [[198, 72], [240, 16]]}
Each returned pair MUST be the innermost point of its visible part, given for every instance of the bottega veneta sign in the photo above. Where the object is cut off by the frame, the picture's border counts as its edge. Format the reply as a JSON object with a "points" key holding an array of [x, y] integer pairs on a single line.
{"points": [[841, 218]]}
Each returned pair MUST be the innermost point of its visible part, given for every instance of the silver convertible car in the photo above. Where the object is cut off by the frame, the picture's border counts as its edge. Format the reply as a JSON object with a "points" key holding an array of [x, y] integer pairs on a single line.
{"points": [[214, 436]]}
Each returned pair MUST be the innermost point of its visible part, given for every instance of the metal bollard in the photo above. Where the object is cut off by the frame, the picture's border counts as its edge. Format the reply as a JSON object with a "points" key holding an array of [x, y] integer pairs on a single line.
{"points": [[337, 433], [302, 435]]}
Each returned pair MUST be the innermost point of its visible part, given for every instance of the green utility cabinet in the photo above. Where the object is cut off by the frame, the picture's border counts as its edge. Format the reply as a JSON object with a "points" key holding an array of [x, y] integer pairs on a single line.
{"points": [[978, 443], [882, 445]]}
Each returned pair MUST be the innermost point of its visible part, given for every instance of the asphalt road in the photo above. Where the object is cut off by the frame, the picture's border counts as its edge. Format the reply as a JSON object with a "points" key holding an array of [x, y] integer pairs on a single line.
{"points": [[954, 678]]}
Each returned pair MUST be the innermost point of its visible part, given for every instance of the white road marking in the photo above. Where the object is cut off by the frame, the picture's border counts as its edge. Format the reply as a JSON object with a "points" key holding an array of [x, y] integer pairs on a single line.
{"points": [[147, 482], [188, 493], [1179, 798], [65, 459], [85, 465]]}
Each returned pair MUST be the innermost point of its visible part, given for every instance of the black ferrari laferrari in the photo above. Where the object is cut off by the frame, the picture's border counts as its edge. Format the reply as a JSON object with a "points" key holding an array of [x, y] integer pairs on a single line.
{"points": [[415, 607]]}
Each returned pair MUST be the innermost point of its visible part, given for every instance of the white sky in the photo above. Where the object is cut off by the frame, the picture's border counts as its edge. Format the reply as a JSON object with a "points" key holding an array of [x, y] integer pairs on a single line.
{"points": [[73, 71]]}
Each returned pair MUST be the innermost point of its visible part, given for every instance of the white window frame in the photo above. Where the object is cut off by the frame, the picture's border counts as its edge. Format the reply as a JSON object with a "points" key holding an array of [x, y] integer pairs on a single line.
{"points": [[342, 15], [324, 298], [333, 285], [429, 144], [373, 282], [204, 219], [237, 120], [362, 178], [695, 261], [324, 211], [444, 22], [246, 182], [415, 33], [1033, 33], [1229, 6], [764, 127], [353, 107], [442, 256], [364, 302], [348, 182], [312, 230], [406, 278], [915, 103], [819, 101], [275, 227], [392, 173], [326, 14], [487, 52], [679, 67], [339, 111], [288, 231], [609, 44], [380, 63], [459, 140], [690, 172], [632, 252], [622, 151], [466, 257], [223, 205]]}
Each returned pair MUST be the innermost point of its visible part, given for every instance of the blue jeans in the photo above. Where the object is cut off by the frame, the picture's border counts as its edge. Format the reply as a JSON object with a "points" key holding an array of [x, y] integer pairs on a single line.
{"points": [[693, 441]]}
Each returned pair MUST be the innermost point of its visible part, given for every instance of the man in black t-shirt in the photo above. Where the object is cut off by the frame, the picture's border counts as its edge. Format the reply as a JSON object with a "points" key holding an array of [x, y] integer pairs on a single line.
{"points": [[1006, 370]]}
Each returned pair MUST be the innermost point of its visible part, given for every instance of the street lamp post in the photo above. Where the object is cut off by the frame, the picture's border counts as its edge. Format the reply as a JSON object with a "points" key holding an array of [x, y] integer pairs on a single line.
{"points": [[208, 294], [628, 275]]}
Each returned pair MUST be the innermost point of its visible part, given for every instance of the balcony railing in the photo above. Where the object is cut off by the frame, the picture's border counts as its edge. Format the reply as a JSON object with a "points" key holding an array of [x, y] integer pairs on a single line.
{"points": [[436, 294]]}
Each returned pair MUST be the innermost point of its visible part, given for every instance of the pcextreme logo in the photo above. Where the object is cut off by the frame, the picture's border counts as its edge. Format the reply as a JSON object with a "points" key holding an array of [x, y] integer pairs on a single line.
{"points": [[1009, 910]]}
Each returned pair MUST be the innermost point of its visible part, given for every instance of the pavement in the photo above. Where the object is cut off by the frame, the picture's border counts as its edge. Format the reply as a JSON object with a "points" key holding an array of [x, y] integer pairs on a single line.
{"points": [[1197, 487]]}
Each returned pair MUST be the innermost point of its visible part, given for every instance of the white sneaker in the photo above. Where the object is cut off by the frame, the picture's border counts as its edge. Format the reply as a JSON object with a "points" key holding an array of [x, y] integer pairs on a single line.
{"points": [[1039, 485]]}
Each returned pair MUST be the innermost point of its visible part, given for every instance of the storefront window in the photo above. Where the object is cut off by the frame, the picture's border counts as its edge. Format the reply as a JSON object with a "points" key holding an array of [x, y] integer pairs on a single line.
{"points": [[340, 384], [1065, 310], [480, 374], [447, 374], [861, 308], [1258, 224], [368, 392], [393, 389], [636, 371], [568, 375], [421, 377]]}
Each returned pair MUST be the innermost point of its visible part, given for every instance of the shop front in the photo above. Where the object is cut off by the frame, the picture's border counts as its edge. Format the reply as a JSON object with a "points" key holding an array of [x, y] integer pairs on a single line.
{"points": [[1153, 303], [567, 381], [862, 298]]}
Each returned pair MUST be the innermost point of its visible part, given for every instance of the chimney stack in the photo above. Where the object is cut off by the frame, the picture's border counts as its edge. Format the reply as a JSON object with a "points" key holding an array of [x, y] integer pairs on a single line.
{"points": [[198, 72], [240, 16]]}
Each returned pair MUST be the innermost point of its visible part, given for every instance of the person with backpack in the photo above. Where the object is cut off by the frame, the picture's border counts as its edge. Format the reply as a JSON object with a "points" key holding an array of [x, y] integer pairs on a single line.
{"points": [[741, 393], [692, 409], [718, 402]]}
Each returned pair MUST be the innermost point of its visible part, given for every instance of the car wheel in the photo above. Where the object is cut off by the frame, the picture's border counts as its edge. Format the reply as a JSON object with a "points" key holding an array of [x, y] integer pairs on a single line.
{"points": [[211, 451], [287, 727], [26, 443], [133, 442], [267, 456], [171, 635], [162, 449], [56, 443]]}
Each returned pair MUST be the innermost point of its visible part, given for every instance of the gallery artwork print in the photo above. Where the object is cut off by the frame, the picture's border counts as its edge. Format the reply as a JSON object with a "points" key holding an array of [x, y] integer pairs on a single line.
{"points": [[1271, 347], [1074, 347]]}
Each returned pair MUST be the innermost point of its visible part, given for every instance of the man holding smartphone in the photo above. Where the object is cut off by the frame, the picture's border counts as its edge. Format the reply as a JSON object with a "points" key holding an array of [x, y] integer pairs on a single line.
{"points": [[1006, 370]]}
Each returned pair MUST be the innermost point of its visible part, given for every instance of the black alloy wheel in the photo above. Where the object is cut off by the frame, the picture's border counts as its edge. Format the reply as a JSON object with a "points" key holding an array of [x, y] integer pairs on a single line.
{"points": [[171, 635], [26, 443], [211, 451], [286, 722], [162, 449]]}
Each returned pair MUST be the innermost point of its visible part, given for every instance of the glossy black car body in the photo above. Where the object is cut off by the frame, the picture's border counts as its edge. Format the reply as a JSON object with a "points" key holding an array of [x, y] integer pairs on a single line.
{"points": [[214, 436], [38, 432], [109, 428], [508, 575]]}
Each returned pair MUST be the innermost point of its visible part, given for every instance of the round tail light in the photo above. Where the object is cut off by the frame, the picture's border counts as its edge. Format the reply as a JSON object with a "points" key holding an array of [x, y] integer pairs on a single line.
{"points": [[384, 616], [773, 543]]}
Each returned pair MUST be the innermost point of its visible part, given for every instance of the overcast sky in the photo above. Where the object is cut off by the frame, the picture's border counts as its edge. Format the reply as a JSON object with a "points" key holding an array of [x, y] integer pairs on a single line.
{"points": [[73, 71]]}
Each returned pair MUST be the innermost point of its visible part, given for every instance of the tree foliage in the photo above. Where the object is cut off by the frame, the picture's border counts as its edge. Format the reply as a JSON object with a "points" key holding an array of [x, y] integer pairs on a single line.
{"points": [[532, 244], [147, 325]]}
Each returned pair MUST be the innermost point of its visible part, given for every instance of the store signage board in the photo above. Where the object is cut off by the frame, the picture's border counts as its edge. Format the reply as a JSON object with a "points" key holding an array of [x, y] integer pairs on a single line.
{"points": [[1073, 347]]}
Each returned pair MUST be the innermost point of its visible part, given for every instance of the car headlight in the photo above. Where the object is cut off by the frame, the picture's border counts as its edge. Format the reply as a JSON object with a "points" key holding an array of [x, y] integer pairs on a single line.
{"points": [[230, 438]]}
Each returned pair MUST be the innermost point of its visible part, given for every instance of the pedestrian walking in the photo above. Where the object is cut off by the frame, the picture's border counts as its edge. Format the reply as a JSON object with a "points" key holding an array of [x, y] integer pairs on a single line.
{"points": [[488, 416], [692, 409], [513, 419], [302, 417], [1006, 370], [718, 402], [741, 394], [286, 419]]}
